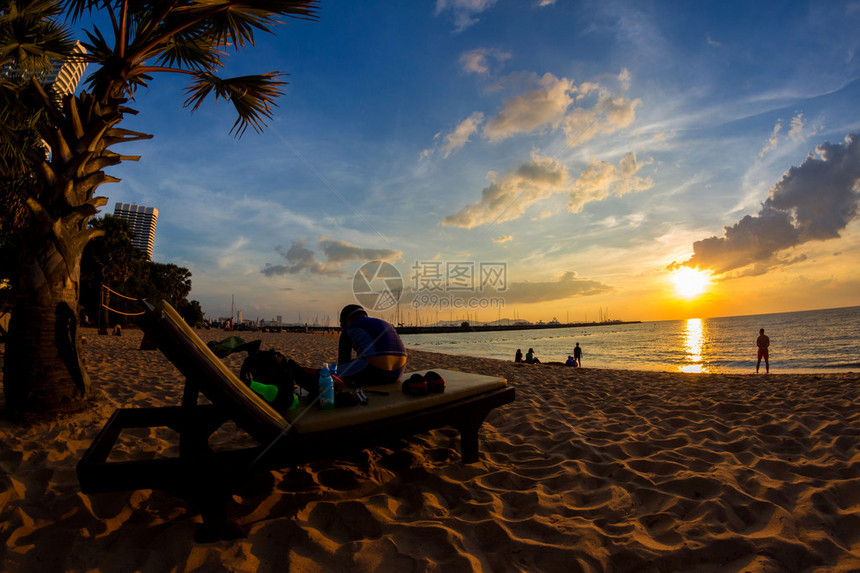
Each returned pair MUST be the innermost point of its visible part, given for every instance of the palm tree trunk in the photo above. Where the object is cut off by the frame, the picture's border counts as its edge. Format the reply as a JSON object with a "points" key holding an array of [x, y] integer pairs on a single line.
{"points": [[42, 369]]}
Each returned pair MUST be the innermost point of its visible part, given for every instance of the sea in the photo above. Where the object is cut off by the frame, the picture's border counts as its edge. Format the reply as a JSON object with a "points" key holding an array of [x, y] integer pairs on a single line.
{"points": [[814, 341]]}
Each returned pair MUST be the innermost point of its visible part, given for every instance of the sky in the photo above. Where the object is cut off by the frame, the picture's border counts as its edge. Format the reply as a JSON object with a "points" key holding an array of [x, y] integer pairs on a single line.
{"points": [[530, 159]]}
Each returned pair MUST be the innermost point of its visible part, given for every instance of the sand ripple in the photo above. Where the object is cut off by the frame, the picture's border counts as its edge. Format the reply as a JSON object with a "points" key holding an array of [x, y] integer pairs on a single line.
{"points": [[589, 470]]}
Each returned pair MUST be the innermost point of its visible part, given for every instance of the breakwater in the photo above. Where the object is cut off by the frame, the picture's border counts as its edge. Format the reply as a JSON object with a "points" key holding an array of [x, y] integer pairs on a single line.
{"points": [[500, 327]]}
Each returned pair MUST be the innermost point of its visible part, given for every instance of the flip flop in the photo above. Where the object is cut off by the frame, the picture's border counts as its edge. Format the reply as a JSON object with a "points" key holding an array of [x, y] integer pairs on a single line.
{"points": [[435, 383], [415, 385]]}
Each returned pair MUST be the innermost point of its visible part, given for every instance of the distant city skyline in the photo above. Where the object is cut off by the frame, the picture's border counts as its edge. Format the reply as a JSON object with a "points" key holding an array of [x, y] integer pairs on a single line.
{"points": [[657, 160]]}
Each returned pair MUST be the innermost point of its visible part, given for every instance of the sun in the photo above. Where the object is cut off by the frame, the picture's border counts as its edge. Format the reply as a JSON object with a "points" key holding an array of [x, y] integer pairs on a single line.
{"points": [[690, 283]]}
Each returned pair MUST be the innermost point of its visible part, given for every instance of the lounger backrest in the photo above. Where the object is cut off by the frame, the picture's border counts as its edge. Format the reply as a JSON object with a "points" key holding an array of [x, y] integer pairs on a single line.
{"points": [[216, 381]]}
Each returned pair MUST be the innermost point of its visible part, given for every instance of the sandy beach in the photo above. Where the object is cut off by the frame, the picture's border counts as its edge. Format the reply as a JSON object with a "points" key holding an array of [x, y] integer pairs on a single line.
{"points": [[588, 470]]}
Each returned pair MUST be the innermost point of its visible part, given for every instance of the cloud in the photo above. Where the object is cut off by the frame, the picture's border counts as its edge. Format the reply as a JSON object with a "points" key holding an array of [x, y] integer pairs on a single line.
{"points": [[301, 259], [812, 202], [477, 61], [503, 239], [773, 140], [568, 285], [338, 252], [464, 10], [610, 114], [600, 179], [461, 134], [548, 106], [796, 131], [510, 194], [533, 110]]}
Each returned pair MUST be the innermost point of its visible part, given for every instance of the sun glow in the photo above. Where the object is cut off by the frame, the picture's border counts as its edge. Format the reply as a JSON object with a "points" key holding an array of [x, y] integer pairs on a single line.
{"points": [[690, 283]]}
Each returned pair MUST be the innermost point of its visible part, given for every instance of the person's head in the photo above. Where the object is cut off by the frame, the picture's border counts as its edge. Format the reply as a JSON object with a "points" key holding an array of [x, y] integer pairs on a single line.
{"points": [[519, 351], [350, 312], [532, 350], [577, 344], [761, 331]]}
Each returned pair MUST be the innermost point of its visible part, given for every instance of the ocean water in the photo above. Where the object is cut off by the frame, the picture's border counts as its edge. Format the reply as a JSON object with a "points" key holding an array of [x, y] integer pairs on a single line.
{"points": [[808, 341]]}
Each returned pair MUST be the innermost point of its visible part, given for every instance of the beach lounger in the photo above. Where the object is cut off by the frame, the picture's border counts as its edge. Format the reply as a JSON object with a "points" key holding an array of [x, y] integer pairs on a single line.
{"points": [[207, 479]]}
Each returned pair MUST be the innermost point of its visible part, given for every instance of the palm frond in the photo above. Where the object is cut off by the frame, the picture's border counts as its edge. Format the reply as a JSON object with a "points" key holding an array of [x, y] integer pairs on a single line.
{"points": [[252, 96], [191, 52], [77, 8], [31, 39], [232, 22]]}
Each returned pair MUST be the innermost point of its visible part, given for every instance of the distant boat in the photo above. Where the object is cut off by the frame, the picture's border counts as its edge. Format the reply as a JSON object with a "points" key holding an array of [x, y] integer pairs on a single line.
{"points": [[554, 321]]}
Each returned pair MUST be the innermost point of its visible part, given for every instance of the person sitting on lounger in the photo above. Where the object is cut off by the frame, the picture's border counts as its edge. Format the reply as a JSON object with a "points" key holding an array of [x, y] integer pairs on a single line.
{"points": [[381, 356], [381, 359]]}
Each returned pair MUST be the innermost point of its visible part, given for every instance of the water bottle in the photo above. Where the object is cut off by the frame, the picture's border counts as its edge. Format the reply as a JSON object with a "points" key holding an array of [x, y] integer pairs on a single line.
{"points": [[326, 389]]}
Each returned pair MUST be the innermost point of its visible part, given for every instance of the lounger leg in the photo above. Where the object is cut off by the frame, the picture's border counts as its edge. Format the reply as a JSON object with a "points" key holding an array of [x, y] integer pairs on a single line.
{"points": [[469, 448], [216, 526], [210, 490]]}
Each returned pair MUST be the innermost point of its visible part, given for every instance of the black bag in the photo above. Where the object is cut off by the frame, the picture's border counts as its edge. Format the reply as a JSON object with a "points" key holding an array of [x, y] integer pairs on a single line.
{"points": [[270, 367]]}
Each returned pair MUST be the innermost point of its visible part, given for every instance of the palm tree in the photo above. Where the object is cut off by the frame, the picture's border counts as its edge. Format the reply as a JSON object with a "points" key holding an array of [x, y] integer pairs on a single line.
{"points": [[30, 42], [42, 368]]}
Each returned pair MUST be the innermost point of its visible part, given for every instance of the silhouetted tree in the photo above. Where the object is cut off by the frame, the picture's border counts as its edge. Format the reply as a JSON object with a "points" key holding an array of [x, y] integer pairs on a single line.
{"points": [[110, 259], [191, 311]]}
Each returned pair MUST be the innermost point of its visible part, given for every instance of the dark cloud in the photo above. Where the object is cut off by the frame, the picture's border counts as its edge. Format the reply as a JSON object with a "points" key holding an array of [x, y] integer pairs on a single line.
{"points": [[567, 286], [822, 192], [302, 259], [813, 202], [337, 252], [299, 259]]}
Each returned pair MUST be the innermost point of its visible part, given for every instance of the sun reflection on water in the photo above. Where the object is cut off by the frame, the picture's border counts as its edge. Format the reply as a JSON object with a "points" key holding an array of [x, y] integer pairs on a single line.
{"points": [[694, 338]]}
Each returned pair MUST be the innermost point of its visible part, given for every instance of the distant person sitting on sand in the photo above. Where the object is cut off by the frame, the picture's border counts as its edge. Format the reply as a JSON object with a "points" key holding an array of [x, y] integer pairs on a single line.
{"points": [[577, 355], [117, 330], [518, 357], [763, 342], [531, 358], [570, 361]]}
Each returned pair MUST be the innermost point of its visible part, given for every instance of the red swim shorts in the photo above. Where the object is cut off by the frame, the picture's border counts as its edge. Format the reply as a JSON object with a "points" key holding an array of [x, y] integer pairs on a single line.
{"points": [[762, 353]]}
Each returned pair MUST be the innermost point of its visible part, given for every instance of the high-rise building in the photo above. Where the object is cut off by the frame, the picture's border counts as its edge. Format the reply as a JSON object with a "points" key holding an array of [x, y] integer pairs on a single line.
{"points": [[67, 75], [142, 220], [63, 78]]}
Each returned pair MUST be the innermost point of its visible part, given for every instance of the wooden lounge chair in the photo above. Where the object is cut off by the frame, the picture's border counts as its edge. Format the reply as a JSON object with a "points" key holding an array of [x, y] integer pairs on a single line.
{"points": [[207, 479]]}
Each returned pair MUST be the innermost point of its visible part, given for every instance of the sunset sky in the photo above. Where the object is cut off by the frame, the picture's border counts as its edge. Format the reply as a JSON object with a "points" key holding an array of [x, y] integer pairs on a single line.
{"points": [[587, 149]]}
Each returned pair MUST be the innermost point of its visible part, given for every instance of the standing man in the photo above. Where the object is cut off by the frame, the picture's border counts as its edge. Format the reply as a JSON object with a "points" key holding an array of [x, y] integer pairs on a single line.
{"points": [[577, 355], [762, 342]]}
